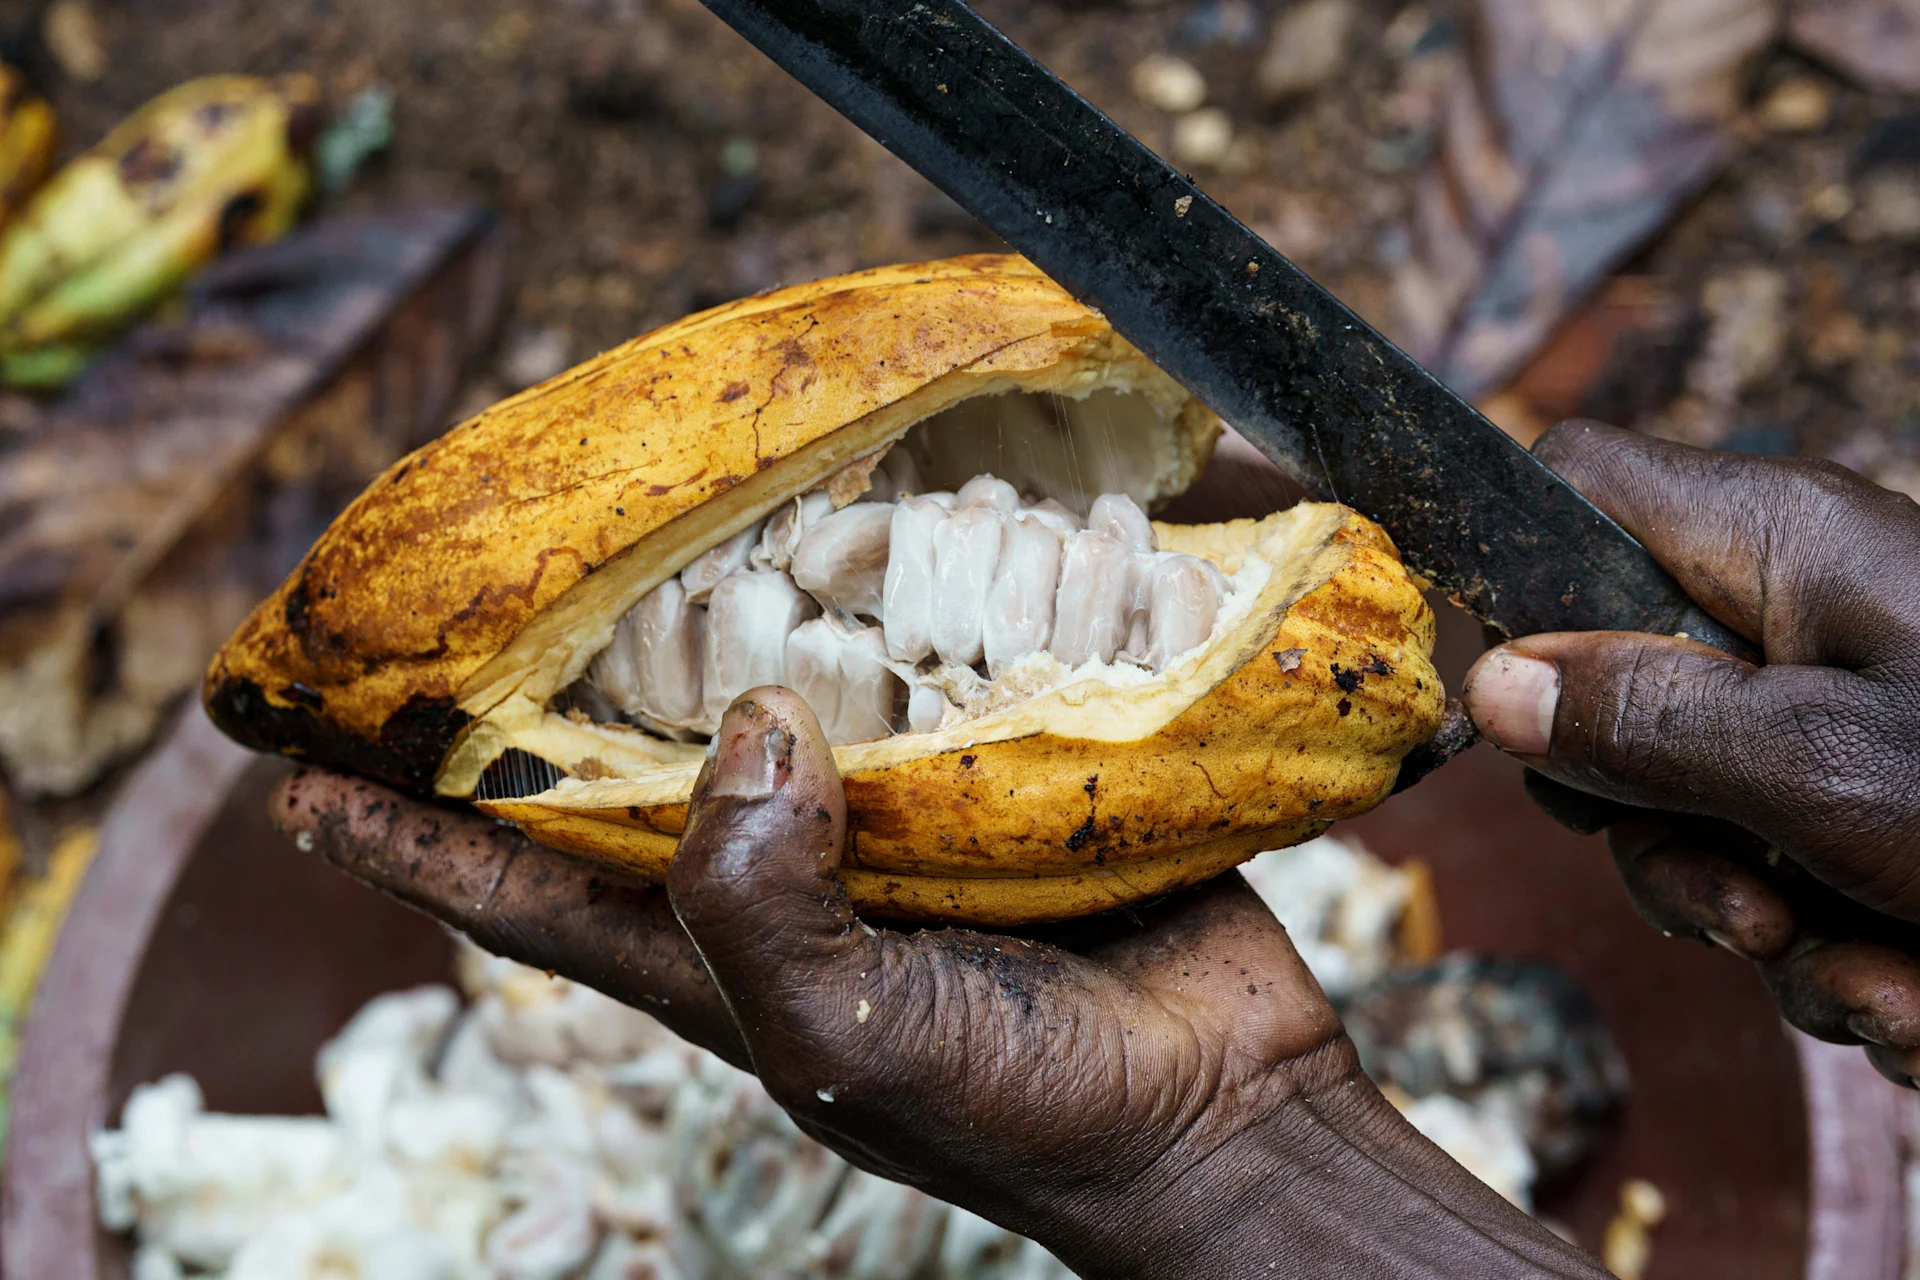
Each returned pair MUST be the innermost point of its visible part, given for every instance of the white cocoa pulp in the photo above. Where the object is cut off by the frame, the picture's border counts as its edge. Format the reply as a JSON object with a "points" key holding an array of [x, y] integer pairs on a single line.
{"points": [[908, 591], [749, 617], [653, 670], [1019, 612], [1093, 602], [908, 611], [700, 577], [966, 552], [842, 560], [787, 527]]}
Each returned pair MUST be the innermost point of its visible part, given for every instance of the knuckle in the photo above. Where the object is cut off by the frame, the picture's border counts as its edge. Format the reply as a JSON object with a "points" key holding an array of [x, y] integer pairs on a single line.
{"points": [[1588, 455], [1840, 788], [719, 879], [1834, 543], [1656, 699]]}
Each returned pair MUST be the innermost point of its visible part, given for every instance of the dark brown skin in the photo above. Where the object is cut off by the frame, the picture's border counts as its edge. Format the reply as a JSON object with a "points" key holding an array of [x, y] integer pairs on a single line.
{"points": [[1162, 1094], [1169, 1093], [1774, 810]]}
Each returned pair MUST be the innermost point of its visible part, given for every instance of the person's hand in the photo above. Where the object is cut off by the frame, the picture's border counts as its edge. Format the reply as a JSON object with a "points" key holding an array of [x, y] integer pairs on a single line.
{"points": [[1159, 1092], [1774, 810]]}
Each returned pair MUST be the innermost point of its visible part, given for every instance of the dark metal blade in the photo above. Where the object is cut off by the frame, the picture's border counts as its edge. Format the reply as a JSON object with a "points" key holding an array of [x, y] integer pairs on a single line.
{"points": [[1316, 388]]}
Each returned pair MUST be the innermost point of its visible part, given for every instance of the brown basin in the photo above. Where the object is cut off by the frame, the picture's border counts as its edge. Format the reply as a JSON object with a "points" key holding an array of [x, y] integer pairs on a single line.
{"points": [[202, 942]]}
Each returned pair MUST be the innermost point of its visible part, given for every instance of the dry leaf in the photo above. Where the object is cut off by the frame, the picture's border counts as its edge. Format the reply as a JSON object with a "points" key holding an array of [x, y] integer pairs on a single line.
{"points": [[183, 474], [1877, 42], [1572, 130]]}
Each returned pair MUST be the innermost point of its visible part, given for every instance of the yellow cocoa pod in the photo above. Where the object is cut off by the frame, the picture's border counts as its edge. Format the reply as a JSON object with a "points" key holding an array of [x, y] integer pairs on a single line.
{"points": [[448, 632], [211, 162], [27, 134]]}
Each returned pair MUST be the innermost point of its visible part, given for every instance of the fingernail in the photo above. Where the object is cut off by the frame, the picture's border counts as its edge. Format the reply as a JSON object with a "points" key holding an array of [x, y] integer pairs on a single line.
{"points": [[1875, 1030], [752, 755], [1722, 941], [1511, 698], [1867, 1027]]}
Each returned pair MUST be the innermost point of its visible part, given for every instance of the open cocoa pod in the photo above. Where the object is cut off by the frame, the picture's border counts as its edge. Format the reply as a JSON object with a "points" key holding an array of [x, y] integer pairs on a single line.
{"points": [[916, 495]]}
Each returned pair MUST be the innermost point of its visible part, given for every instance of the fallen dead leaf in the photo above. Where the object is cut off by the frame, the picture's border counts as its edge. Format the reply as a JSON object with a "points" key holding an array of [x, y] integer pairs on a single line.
{"points": [[185, 472], [1562, 380], [1877, 42], [1572, 130]]}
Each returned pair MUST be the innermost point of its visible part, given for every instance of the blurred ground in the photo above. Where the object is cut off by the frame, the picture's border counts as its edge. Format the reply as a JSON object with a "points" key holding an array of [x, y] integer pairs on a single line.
{"points": [[655, 163], [652, 163]]}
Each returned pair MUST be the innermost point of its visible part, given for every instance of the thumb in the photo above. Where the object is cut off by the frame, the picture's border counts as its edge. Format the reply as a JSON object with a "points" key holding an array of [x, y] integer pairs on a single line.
{"points": [[753, 878], [1657, 722]]}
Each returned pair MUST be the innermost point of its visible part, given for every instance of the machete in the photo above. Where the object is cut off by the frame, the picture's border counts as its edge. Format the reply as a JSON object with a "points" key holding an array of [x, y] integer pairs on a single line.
{"points": [[1310, 384]]}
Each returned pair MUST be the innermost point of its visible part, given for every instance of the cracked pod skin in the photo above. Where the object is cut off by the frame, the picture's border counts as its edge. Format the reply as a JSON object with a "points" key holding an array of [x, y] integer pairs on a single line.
{"points": [[430, 627]]}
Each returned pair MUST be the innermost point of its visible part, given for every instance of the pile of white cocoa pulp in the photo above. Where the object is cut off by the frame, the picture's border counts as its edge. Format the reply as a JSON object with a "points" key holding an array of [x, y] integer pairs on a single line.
{"points": [[907, 611]]}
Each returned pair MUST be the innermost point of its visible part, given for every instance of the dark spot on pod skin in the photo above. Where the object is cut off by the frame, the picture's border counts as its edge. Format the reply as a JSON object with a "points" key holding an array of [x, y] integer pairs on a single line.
{"points": [[1344, 707], [1347, 681], [1093, 784], [298, 607], [1083, 833], [966, 762], [633, 811], [411, 744], [300, 693]]}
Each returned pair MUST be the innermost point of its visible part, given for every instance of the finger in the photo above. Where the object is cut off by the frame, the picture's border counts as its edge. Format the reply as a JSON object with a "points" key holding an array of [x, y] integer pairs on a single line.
{"points": [[512, 897], [1794, 553], [1814, 760], [753, 877], [1684, 886], [1580, 812], [1849, 992], [1901, 1066]]}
